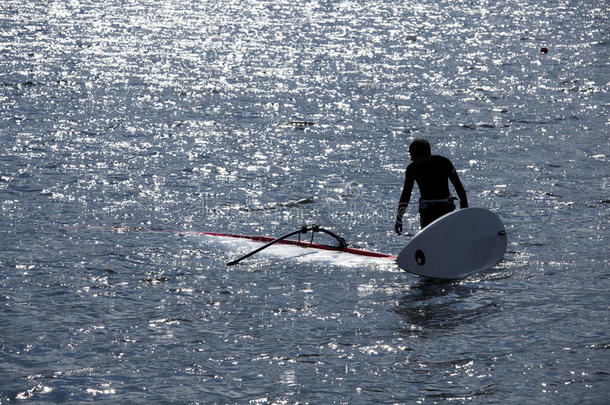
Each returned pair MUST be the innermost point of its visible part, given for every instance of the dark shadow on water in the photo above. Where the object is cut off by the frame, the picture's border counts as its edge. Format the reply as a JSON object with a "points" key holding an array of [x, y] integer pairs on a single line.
{"points": [[432, 305], [427, 288]]}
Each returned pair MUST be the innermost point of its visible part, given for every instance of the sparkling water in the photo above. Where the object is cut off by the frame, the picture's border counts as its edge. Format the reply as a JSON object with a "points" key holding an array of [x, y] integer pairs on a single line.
{"points": [[257, 117]]}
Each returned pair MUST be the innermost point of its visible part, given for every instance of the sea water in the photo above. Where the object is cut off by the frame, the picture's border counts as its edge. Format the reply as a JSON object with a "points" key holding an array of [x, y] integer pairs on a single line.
{"points": [[259, 116]]}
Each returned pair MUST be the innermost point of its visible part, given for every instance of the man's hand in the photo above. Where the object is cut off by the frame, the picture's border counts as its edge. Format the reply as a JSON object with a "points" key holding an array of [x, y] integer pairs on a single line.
{"points": [[398, 227]]}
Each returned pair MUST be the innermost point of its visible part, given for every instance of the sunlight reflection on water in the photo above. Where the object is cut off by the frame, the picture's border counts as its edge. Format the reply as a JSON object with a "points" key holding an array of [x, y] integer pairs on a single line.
{"points": [[255, 117]]}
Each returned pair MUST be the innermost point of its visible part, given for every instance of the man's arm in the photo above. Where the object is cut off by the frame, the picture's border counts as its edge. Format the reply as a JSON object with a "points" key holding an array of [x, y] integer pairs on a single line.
{"points": [[405, 197], [459, 189]]}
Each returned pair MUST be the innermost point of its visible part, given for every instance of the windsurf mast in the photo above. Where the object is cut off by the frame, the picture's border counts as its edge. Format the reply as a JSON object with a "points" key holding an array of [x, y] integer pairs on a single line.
{"points": [[313, 228]]}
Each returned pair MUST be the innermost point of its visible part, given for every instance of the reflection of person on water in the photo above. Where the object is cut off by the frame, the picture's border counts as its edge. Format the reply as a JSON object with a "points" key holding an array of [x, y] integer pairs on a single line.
{"points": [[431, 173]]}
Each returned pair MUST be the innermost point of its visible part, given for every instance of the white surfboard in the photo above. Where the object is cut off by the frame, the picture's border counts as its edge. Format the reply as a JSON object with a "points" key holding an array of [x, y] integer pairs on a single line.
{"points": [[456, 245]]}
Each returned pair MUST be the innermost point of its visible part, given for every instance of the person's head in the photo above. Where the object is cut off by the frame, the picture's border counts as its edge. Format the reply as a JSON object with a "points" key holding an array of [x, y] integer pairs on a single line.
{"points": [[420, 149]]}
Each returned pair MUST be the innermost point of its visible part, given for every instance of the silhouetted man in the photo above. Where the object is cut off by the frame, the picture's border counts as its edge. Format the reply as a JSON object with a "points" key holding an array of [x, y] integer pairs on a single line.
{"points": [[431, 172]]}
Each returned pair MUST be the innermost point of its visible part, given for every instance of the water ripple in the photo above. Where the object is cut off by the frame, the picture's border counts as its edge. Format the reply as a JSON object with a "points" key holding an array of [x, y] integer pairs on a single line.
{"points": [[256, 116]]}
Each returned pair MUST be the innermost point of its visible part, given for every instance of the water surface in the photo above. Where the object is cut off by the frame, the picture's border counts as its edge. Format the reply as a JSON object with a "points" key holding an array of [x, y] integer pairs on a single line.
{"points": [[256, 117]]}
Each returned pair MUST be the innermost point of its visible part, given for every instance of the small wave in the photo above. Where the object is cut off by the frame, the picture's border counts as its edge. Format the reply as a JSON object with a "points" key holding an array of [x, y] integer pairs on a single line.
{"points": [[155, 280], [169, 321], [302, 125], [27, 83], [477, 126], [275, 206]]}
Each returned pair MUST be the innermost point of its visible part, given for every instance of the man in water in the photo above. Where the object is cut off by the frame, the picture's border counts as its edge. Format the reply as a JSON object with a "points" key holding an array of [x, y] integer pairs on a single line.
{"points": [[431, 173]]}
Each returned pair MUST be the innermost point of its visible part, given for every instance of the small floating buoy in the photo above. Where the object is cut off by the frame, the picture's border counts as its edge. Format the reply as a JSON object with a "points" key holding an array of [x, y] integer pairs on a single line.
{"points": [[544, 50]]}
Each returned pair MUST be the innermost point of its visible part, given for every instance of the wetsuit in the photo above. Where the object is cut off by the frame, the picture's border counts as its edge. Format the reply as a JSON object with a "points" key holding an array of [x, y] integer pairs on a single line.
{"points": [[432, 177]]}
